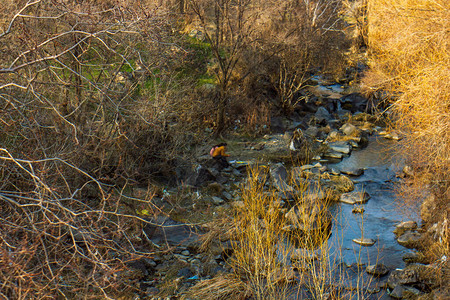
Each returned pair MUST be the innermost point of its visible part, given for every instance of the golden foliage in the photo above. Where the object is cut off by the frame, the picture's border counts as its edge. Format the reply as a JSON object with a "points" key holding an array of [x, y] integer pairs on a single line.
{"points": [[410, 55]]}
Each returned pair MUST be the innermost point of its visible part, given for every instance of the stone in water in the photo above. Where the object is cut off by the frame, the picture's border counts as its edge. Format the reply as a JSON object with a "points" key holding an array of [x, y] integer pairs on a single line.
{"points": [[364, 242]]}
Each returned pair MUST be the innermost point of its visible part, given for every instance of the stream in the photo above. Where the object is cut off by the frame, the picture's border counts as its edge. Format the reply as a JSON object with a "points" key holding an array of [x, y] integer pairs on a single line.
{"points": [[382, 213]]}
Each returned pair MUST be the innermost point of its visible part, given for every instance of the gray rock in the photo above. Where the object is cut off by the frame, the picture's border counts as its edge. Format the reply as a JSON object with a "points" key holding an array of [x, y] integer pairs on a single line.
{"points": [[150, 262], [409, 239], [236, 173], [397, 293], [358, 210], [333, 135], [354, 197], [279, 176], [405, 292], [287, 195], [322, 114], [355, 102], [278, 172], [185, 252], [340, 146], [342, 113], [312, 131], [364, 241], [297, 177], [282, 186], [352, 171], [405, 226], [227, 195], [409, 275], [217, 200], [185, 272], [377, 270], [413, 257], [348, 129], [334, 155], [354, 144], [227, 170], [335, 171], [201, 177]]}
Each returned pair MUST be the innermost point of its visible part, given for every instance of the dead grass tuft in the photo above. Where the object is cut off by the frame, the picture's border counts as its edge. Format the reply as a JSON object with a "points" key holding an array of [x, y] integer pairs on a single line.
{"points": [[222, 287]]}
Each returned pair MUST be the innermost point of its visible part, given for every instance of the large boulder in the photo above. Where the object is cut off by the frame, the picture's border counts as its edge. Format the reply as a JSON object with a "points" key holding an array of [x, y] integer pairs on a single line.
{"points": [[201, 177]]}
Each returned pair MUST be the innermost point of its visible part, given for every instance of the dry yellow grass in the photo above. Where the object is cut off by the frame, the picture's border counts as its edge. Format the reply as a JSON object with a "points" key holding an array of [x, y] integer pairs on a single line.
{"points": [[276, 256], [410, 47], [222, 287], [410, 55]]}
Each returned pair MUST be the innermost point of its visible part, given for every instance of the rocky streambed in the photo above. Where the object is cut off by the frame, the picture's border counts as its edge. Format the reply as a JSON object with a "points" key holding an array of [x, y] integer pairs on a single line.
{"points": [[334, 150]]}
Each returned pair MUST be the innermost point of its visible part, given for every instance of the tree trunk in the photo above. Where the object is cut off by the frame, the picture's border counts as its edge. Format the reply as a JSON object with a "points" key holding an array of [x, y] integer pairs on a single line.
{"points": [[220, 117]]}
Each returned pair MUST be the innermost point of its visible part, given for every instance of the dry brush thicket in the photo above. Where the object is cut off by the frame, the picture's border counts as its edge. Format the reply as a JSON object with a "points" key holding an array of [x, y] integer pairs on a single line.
{"points": [[410, 51], [84, 88]]}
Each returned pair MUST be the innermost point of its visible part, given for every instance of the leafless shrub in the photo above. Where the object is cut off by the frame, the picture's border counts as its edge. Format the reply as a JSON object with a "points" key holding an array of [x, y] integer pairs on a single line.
{"points": [[76, 128]]}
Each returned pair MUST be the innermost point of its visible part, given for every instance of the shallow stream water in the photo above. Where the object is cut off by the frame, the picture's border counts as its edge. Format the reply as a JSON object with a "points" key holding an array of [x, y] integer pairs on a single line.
{"points": [[382, 212]]}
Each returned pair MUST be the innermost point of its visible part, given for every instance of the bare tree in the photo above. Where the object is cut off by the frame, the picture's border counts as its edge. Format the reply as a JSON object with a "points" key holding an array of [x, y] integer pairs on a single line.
{"points": [[227, 26]]}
